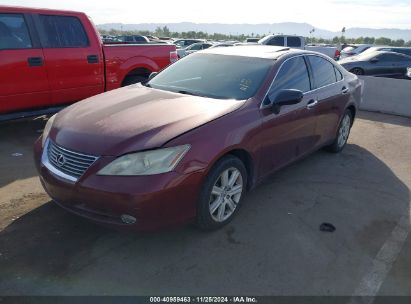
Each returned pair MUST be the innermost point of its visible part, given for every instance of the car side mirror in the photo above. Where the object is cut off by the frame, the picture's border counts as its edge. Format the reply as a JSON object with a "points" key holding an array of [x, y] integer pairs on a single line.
{"points": [[152, 75], [285, 97], [374, 60]]}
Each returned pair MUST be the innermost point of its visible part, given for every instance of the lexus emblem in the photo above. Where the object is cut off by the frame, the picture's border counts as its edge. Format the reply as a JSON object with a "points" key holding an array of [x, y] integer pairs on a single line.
{"points": [[61, 160]]}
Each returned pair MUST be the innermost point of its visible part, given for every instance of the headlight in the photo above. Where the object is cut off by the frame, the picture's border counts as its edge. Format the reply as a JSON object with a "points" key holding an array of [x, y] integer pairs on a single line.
{"points": [[146, 163], [47, 129]]}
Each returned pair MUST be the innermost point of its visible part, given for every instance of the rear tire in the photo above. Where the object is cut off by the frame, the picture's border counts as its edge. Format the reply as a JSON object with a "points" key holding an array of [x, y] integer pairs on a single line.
{"points": [[222, 193], [343, 133]]}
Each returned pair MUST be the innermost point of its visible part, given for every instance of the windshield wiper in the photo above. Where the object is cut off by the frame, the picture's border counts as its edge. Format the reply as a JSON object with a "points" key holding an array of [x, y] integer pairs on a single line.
{"points": [[201, 95], [188, 93]]}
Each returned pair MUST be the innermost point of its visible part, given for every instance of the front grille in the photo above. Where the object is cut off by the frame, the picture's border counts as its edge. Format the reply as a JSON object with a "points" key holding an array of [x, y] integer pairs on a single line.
{"points": [[68, 162]]}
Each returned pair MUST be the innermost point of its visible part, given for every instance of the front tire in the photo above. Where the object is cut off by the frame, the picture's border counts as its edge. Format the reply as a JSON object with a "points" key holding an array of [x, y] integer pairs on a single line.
{"points": [[222, 193], [343, 133]]}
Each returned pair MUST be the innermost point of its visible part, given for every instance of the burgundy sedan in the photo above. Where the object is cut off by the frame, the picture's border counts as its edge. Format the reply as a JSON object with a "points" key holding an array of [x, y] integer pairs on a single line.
{"points": [[189, 144]]}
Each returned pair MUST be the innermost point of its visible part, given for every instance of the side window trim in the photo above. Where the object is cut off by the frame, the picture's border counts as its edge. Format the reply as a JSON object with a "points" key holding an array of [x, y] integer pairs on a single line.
{"points": [[262, 105], [335, 67], [33, 31], [28, 31], [305, 57]]}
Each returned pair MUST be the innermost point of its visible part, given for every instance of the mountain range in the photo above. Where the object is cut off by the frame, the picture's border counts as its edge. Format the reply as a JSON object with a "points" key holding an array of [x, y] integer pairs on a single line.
{"points": [[291, 28]]}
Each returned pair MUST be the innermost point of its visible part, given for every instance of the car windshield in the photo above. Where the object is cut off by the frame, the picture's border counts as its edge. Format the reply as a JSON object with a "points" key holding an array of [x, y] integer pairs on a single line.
{"points": [[214, 76]]}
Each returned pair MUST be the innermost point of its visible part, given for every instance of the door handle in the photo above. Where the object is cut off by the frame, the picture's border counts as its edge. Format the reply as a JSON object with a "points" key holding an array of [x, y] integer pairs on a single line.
{"points": [[35, 61], [344, 90], [92, 59], [312, 103]]}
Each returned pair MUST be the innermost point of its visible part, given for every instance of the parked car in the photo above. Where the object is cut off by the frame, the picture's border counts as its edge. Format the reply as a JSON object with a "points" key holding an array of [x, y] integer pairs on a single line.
{"points": [[183, 43], [382, 64], [189, 144], [135, 39], [401, 50], [223, 44], [50, 58], [254, 40], [109, 39], [298, 42], [353, 50], [152, 38], [195, 47]]}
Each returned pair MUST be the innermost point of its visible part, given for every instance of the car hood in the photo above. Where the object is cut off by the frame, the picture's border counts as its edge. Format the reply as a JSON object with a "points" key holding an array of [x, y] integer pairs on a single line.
{"points": [[133, 118]]}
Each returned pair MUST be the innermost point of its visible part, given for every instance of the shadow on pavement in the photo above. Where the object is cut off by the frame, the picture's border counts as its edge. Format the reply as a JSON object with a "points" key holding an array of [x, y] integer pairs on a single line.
{"points": [[273, 246], [16, 143]]}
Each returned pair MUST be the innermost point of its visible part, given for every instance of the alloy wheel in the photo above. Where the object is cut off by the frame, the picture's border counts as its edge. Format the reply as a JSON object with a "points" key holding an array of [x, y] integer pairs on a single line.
{"points": [[344, 130], [226, 194]]}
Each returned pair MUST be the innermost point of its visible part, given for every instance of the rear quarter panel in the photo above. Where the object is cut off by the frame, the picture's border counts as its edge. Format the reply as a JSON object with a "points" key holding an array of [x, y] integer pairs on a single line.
{"points": [[122, 59]]}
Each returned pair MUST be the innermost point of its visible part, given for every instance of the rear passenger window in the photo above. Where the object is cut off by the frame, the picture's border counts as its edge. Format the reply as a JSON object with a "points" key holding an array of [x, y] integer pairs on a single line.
{"points": [[390, 58], [278, 41], [293, 41], [292, 75], [338, 74], [323, 71], [13, 32], [63, 32]]}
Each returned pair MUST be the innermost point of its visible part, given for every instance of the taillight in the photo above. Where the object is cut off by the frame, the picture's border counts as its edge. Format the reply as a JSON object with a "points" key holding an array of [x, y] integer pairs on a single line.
{"points": [[173, 56], [337, 53]]}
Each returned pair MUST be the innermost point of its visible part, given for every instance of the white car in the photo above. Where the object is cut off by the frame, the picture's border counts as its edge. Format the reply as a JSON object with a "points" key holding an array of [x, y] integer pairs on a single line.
{"points": [[354, 50], [298, 42], [193, 48]]}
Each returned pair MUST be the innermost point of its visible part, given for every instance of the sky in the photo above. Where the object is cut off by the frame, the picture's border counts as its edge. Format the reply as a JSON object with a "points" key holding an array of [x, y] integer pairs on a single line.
{"points": [[324, 14]]}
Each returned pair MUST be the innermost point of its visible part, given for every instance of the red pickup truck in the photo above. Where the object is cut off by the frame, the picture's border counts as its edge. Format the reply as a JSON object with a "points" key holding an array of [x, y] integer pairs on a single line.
{"points": [[50, 58]]}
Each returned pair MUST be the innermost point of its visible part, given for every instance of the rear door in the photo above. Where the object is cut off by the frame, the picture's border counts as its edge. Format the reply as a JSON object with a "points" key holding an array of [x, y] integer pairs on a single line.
{"points": [[289, 134], [402, 63], [332, 94], [74, 57], [23, 78], [385, 66]]}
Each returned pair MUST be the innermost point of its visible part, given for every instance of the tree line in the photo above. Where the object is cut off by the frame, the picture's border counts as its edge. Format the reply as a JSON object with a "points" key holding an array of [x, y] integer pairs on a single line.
{"points": [[165, 32]]}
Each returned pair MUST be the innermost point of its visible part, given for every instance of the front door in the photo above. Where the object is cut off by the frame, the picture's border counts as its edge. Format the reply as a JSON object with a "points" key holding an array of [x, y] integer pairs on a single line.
{"points": [[289, 134], [23, 77]]}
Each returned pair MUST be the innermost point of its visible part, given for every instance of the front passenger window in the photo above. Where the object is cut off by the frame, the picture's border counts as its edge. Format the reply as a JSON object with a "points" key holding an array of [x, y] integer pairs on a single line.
{"points": [[293, 74]]}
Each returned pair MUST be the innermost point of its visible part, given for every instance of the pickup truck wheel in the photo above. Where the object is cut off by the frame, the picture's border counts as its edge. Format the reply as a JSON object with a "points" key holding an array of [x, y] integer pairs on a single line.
{"points": [[132, 79], [222, 193]]}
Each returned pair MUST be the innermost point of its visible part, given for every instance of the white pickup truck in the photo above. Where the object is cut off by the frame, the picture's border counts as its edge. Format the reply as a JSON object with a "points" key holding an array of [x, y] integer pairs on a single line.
{"points": [[298, 42]]}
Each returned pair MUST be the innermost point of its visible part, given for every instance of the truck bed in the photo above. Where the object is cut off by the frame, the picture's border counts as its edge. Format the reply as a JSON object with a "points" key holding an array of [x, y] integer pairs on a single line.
{"points": [[120, 58]]}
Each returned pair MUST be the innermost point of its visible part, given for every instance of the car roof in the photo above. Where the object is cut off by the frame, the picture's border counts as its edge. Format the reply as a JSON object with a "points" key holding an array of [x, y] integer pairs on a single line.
{"points": [[22, 9], [256, 51], [376, 52]]}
